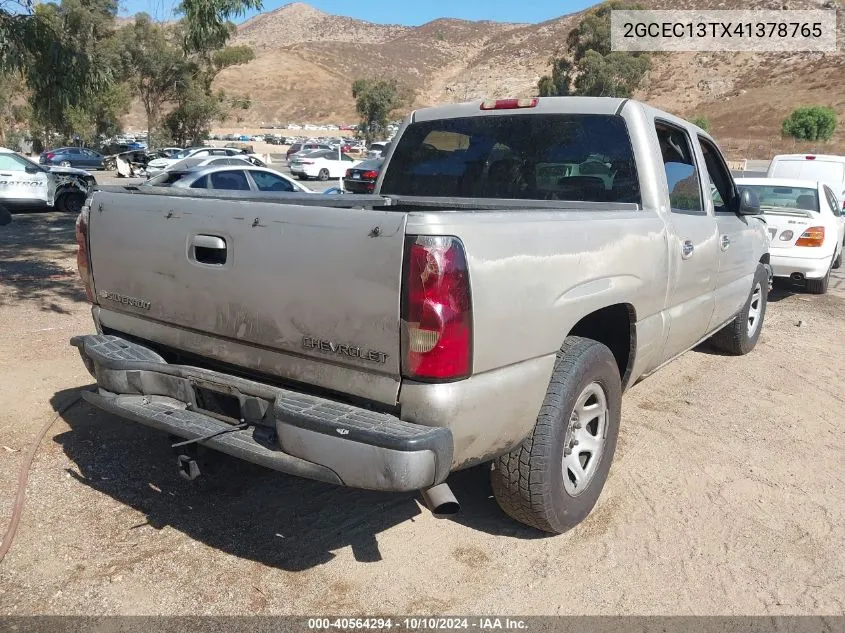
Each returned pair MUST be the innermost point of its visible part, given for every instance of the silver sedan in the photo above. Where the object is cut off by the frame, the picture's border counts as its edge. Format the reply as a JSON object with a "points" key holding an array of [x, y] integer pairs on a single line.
{"points": [[228, 178]]}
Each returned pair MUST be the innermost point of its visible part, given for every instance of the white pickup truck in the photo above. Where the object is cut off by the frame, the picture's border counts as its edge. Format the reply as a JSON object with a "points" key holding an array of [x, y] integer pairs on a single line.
{"points": [[520, 263]]}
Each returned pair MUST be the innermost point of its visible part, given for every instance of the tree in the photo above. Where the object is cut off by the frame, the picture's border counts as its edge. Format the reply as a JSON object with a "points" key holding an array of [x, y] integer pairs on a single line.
{"points": [[559, 83], [208, 23], [156, 66], [375, 100], [12, 111], [614, 75], [56, 63], [814, 123], [701, 121], [588, 66]]}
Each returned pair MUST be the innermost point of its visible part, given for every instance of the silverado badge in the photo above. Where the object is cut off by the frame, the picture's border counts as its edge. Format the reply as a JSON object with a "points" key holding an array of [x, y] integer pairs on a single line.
{"points": [[128, 301]]}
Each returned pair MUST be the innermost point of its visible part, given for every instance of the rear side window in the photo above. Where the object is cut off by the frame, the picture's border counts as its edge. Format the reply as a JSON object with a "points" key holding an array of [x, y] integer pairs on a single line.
{"points": [[681, 172], [200, 183], [832, 201], [578, 157], [229, 180], [167, 178]]}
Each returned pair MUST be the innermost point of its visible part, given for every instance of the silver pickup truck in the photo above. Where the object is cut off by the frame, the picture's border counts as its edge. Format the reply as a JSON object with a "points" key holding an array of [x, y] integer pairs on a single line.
{"points": [[520, 263]]}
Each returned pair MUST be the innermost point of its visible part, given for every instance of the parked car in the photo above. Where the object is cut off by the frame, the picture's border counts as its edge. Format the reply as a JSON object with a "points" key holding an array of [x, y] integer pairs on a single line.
{"points": [[296, 148], [166, 152], [79, 157], [378, 150], [227, 178], [806, 228], [362, 178], [160, 164], [208, 161], [26, 185], [820, 167], [473, 313], [320, 164]]}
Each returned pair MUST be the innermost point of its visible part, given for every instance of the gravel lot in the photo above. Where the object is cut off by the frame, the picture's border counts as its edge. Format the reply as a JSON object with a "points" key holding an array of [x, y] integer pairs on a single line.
{"points": [[727, 495]]}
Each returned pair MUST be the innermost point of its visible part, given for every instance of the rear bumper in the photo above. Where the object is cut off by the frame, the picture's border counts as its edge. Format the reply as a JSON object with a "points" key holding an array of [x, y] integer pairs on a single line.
{"points": [[291, 432], [809, 267]]}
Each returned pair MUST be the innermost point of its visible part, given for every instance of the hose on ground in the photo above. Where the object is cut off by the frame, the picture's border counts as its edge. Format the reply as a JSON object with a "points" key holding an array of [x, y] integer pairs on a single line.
{"points": [[23, 477]]}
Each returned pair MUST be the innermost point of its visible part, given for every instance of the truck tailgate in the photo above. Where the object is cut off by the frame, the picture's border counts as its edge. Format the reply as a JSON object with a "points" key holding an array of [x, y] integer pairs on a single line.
{"points": [[310, 282]]}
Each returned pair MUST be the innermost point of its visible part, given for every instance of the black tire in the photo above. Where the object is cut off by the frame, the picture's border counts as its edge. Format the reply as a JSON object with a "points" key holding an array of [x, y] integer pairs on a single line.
{"points": [[819, 286], [5, 216], [838, 261], [71, 202], [323, 175], [737, 337], [528, 482]]}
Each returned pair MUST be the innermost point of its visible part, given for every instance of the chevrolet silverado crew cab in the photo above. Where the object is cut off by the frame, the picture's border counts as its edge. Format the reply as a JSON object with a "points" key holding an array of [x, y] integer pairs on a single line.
{"points": [[519, 264]]}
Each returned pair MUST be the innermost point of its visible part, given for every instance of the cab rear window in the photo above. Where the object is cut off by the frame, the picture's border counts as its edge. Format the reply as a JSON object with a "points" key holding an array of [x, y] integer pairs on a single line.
{"points": [[578, 157]]}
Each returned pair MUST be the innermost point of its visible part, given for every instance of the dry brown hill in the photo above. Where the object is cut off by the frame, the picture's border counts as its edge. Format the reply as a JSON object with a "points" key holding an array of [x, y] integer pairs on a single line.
{"points": [[306, 61]]}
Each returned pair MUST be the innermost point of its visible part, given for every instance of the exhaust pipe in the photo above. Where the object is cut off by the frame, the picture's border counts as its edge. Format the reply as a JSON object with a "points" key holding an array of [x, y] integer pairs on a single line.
{"points": [[440, 500], [797, 276]]}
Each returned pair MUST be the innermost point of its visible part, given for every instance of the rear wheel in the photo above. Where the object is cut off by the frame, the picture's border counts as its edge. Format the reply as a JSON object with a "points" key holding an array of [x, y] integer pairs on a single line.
{"points": [[554, 478], [323, 175], [819, 286], [64, 163], [71, 202], [838, 261], [740, 336]]}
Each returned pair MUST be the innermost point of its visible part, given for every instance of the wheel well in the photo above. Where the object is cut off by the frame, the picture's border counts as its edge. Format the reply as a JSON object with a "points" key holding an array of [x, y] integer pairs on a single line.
{"points": [[613, 326]]}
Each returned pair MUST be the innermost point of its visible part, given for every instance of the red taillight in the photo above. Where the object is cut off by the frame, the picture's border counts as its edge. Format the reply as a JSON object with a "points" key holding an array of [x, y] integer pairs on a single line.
{"points": [[436, 310], [50, 155], [813, 236], [509, 104], [370, 175], [83, 261], [810, 158]]}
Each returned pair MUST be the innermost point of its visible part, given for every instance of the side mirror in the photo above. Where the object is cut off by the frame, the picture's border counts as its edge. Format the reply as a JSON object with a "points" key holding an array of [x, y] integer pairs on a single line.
{"points": [[31, 169], [749, 203]]}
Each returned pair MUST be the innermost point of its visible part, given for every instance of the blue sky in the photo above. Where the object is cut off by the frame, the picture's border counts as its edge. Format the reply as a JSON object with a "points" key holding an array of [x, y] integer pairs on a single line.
{"points": [[409, 12]]}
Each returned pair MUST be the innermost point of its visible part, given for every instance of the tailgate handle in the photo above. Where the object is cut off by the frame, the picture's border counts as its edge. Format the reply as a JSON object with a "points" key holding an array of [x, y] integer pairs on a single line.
{"points": [[209, 249]]}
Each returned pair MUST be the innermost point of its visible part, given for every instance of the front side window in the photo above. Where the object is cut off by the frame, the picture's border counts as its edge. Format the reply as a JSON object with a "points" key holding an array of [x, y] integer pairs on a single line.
{"points": [[265, 181], [10, 162], [681, 172], [577, 157], [720, 177]]}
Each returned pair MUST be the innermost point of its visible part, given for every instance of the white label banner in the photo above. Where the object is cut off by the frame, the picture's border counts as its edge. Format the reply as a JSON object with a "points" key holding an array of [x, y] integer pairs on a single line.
{"points": [[735, 31]]}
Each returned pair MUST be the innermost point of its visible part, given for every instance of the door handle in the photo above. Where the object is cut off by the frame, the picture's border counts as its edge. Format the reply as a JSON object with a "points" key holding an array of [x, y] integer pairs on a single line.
{"points": [[687, 249], [209, 249], [725, 242], [209, 241]]}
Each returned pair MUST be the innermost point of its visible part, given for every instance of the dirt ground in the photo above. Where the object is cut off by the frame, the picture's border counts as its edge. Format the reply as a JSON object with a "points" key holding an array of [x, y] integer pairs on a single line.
{"points": [[727, 494]]}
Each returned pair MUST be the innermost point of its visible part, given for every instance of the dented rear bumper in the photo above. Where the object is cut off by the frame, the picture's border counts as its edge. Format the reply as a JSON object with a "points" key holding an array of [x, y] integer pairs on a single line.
{"points": [[295, 433]]}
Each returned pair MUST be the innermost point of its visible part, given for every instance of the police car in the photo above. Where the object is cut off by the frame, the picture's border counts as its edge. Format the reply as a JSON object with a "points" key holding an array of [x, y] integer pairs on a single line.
{"points": [[26, 185]]}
